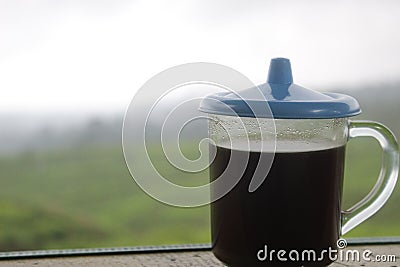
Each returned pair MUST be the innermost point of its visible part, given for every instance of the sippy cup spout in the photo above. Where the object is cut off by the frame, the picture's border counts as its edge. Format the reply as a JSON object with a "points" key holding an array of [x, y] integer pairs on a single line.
{"points": [[280, 71], [280, 77]]}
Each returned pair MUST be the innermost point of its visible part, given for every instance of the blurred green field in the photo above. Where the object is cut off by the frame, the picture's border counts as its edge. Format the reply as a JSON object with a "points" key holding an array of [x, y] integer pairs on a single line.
{"points": [[85, 197]]}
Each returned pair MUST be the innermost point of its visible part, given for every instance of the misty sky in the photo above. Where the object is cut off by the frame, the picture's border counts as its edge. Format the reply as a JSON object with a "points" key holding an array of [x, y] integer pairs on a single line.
{"points": [[92, 55]]}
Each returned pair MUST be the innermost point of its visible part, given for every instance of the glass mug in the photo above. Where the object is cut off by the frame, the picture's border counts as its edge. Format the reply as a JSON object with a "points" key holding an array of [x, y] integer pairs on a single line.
{"points": [[284, 145], [298, 205]]}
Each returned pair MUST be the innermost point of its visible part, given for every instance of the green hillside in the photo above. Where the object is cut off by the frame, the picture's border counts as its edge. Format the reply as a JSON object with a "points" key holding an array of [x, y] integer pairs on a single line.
{"points": [[85, 197]]}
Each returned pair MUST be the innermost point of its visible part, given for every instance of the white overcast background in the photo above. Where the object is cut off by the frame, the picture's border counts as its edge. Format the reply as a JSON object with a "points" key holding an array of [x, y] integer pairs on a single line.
{"points": [[91, 56]]}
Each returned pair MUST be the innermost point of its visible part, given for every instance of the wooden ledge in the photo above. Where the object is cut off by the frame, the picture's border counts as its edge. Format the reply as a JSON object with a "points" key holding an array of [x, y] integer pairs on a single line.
{"points": [[198, 256]]}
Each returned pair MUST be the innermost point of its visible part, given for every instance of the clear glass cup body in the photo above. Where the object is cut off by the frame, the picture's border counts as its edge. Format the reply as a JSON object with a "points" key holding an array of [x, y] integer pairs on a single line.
{"points": [[280, 135], [295, 204]]}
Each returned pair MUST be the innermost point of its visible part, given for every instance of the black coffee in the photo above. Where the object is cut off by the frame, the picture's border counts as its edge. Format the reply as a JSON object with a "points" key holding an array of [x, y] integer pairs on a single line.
{"points": [[296, 208]]}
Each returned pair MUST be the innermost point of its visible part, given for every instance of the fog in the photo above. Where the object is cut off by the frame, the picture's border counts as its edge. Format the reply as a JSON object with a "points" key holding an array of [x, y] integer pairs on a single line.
{"points": [[91, 56], [65, 64]]}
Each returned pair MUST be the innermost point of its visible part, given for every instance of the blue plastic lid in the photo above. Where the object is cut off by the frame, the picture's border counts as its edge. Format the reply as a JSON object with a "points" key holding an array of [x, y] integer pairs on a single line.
{"points": [[286, 100]]}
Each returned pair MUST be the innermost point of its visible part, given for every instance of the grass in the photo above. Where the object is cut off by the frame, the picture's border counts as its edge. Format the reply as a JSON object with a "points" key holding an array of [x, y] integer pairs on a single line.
{"points": [[85, 197]]}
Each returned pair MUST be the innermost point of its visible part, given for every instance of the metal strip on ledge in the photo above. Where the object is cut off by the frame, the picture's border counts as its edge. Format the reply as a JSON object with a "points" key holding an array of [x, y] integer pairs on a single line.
{"points": [[157, 249], [102, 251]]}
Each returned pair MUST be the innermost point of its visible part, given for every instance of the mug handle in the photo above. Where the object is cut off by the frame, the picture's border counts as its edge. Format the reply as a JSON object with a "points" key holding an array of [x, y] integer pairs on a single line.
{"points": [[386, 182]]}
